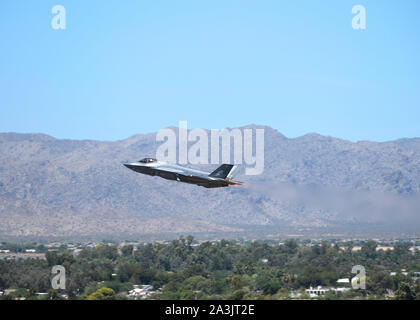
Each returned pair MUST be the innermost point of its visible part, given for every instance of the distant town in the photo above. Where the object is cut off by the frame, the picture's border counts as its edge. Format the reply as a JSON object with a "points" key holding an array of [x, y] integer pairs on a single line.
{"points": [[187, 268]]}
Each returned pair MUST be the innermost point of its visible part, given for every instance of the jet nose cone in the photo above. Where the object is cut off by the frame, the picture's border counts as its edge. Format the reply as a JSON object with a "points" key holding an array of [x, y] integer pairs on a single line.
{"points": [[128, 165]]}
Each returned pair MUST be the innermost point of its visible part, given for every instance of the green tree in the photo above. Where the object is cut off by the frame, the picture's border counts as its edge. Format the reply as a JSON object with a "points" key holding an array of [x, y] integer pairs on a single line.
{"points": [[102, 294], [369, 249], [127, 250], [405, 292], [53, 295], [291, 246], [236, 282], [236, 295], [31, 291]]}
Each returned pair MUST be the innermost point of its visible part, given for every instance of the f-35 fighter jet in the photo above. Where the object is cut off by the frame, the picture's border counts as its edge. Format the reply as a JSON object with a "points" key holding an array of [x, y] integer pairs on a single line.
{"points": [[221, 177]]}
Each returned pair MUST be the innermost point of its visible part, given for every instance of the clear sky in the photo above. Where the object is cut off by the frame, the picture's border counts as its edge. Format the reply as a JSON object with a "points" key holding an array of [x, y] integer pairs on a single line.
{"points": [[126, 67]]}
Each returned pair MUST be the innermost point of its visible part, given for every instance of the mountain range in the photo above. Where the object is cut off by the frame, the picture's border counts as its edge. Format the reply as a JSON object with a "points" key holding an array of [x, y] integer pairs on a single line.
{"points": [[60, 188]]}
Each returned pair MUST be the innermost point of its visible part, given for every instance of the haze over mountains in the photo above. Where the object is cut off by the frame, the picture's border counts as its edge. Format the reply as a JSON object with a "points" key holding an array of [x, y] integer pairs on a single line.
{"points": [[78, 188]]}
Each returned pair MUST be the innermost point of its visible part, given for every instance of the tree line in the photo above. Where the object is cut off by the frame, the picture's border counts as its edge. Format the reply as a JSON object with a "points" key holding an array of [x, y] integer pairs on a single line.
{"points": [[215, 270]]}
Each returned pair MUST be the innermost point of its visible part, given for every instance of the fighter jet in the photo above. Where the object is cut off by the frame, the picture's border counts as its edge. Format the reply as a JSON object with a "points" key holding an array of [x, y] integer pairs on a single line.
{"points": [[221, 177]]}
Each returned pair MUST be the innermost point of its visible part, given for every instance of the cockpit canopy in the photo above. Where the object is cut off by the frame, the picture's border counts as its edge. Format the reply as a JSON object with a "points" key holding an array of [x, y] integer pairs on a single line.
{"points": [[147, 160]]}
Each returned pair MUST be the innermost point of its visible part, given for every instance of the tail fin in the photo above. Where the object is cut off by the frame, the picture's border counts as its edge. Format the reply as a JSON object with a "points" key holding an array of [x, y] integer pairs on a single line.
{"points": [[225, 171]]}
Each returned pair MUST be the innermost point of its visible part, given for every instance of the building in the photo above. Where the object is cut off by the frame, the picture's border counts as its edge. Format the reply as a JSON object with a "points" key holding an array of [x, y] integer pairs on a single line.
{"points": [[389, 294], [143, 292], [344, 280], [76, 252], [8, 291], [320, 291]]}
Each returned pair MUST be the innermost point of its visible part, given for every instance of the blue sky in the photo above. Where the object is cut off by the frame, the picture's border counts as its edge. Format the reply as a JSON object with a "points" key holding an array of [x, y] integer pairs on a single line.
{"points": [[126, 67]]}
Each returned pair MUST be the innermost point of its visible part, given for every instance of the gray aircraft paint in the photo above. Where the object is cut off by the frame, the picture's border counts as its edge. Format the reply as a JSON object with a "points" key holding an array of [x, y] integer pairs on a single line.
{"points": [[175, 172]]}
